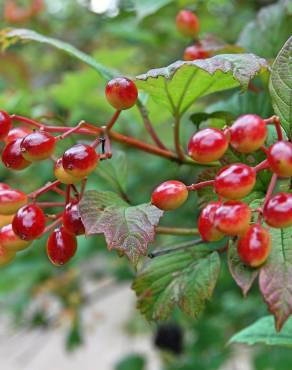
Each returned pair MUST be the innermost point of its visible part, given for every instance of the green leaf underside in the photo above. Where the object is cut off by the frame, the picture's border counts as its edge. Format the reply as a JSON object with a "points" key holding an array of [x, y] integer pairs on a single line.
{"points": [[186, 279], [181, 83], [275, 277], [200, 117], [281, 86], [129, 229], [243, 275], [263, 331], [11, 36]]}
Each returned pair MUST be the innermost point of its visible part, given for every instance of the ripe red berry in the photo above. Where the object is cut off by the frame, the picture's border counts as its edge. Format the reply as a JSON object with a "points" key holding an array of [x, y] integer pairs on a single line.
{"points": [[187, 23], [235, 181], [206, 226], [169, 195], [6, 256], [207, 145], [4, 186], [17, 133], [11, 241], [29, 222], [280, 158], [195, 52], [248, 133], [61, 246], [38, 146], [12, 156], [11, 200], [121, 93], [254, 246], [232, 218], [278, 210], [5, 124], [80, 160], [72, 220], [62, 175]]}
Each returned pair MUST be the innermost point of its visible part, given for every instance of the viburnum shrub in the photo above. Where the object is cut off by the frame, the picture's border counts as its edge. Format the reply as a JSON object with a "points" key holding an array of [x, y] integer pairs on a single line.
{"points": [[231, 160]]}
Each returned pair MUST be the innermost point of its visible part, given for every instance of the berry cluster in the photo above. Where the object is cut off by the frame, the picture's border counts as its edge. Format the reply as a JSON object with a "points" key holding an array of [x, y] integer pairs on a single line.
{"points": [[229, 215], [22, 219]]}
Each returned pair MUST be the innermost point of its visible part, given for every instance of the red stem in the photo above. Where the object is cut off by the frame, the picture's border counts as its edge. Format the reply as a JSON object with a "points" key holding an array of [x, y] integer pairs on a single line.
{"points": [[262, 166], [200, 185], [276, 121], [53, 225], [50, 204], [113, 120], [44, 189], [268, 195]]}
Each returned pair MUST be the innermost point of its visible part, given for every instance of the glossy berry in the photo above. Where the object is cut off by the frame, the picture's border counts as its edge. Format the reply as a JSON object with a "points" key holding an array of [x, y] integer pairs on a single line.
{"points": [[280, 158], [12, 156], [232, 218], [62, 175], [17, 133], [5, 220], [254, 246], [11, 241], [72, 220], [206, 226], [121, 93], [235, 181], [169, 195], [6, 256], [29, 222], [38, 146], [5, 124], [195, 52], [11, 200], [278, 210], [80, 160], [187, 23], [4, 186], [61, 246], [248, 133], [207, 145]]}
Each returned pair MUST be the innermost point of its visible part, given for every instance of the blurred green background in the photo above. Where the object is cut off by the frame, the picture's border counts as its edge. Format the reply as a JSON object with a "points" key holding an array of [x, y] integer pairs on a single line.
{"points": [[41, 82]]}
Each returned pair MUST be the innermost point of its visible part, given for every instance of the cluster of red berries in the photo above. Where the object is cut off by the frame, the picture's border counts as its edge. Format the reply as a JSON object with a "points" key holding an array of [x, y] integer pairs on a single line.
{"points": [[229, 215], [188, 25], [22, 219]]}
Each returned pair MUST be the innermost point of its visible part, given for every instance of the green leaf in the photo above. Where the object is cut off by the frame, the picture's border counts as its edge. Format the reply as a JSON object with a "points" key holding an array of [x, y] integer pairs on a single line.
{"points": [[10, 36], [186, 279], [129, 229], [243, 275], [181, 83], [263, 331], [281, 86], [265, 35], [275, 278], [143, 8], [198, 118]]}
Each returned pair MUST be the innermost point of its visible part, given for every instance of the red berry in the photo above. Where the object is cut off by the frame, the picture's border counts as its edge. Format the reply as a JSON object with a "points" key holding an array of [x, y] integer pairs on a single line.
{"points": [[248, 133], [11, 241], [61, 246], [195, 52], [80, 160], [4, 186], [206, 226], [187, 23], [12, 156], [29, 222], [5, 124], [62, 175], [121, 93], [5, 220], [280, 158], [207, 145], [17, 133], [6, 256], [278, 210], [38, 146], [235, 181], [11, 200], [254, 246], [72, 220], [232, 218], [169, 195]]}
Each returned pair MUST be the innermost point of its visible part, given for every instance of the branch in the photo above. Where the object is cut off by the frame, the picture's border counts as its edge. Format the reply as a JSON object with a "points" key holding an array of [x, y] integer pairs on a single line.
{"points": [[176, 230]]}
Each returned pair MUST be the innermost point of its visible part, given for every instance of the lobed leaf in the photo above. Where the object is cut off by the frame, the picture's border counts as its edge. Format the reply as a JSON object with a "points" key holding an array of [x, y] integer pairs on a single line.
{"points": [[186, 279], [181, 83], [129, 229]]}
